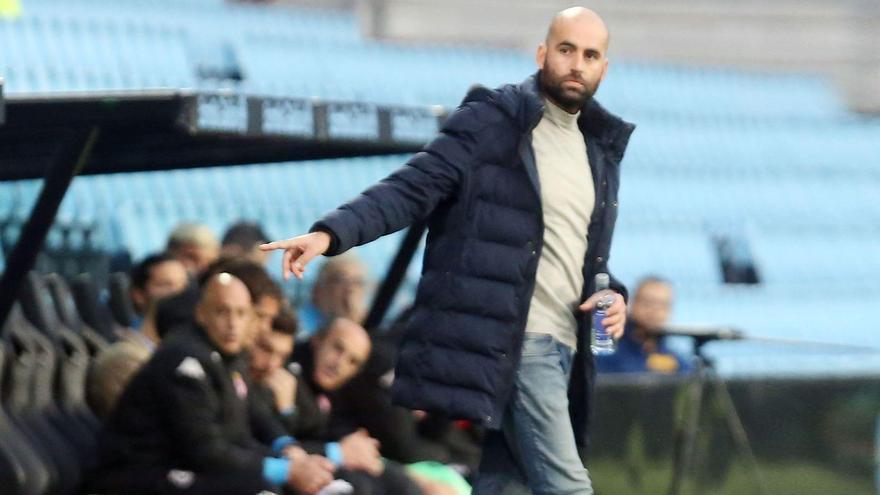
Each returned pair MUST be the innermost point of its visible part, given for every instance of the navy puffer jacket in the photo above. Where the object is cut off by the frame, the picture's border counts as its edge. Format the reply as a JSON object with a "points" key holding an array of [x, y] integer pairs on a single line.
{"points": [[477, 185]]}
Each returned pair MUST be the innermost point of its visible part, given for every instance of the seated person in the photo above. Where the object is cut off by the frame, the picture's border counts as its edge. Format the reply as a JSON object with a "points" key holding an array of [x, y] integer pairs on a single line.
{"points": [[642, 348], [340, 291], [155, 278], [110, 373], [305, 410], [195, 245], [266, 360], [405, 436], [242, 240], [183, 425], [267, 297]]}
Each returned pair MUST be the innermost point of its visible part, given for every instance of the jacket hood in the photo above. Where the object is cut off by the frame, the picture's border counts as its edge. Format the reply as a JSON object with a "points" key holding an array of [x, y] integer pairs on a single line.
{"points": [[523, 104]]}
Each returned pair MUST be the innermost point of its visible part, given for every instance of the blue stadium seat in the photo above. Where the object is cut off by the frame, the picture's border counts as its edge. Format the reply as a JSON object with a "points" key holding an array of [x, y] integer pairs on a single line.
{"points": [[775, 156]]}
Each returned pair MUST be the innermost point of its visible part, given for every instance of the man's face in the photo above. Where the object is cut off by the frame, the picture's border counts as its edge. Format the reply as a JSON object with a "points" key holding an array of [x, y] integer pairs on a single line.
{"points": [[165, 279], [340, 354], [573, 62], [652, 305], [342, 294], [196, 258], [257, 255], [226, 313], [254, 254], [269, 352], [266, 309]]}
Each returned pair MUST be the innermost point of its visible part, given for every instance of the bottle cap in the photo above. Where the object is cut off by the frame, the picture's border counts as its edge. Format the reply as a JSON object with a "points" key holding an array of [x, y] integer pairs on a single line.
{"points": [[603, 281]]}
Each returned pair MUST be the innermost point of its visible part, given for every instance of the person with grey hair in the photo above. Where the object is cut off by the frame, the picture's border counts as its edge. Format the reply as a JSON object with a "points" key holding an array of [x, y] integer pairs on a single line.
{"points": [[339, 292], [195, 245]]}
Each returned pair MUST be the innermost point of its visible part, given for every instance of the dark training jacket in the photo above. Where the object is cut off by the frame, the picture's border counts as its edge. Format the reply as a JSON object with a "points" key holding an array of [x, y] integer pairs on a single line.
{"points": [[477, 185], [182, 411]]}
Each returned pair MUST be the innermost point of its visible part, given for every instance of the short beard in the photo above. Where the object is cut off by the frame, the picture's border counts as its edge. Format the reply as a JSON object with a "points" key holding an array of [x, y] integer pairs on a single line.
{"points": [[552, 87]]}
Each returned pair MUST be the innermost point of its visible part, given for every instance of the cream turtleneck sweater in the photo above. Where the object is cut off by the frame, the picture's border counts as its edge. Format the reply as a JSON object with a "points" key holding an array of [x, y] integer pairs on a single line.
{"points": [[567, 199]]}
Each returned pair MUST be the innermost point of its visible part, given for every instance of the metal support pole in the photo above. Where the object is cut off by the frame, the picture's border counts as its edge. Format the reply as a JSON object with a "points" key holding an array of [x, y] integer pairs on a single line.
{"points": [[72, 156]]}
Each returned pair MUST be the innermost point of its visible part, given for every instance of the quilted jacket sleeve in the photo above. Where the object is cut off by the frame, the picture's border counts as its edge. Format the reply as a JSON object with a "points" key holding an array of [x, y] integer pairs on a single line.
{"points": [[410, 193]]}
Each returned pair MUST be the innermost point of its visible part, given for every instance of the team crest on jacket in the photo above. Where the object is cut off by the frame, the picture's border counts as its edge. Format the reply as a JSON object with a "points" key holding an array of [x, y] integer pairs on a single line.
{"points": [[240, 386]]}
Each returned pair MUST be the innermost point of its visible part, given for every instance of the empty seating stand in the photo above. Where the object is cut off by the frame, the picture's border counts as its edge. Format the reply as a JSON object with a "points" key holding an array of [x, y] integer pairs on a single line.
{"points": [[752, 152], [47, 432]]}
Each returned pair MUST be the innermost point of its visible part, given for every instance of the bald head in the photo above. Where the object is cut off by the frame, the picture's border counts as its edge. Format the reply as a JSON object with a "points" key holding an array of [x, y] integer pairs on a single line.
{"points": [[340, 353], [573, 58], [225, 312], [576, 18]]}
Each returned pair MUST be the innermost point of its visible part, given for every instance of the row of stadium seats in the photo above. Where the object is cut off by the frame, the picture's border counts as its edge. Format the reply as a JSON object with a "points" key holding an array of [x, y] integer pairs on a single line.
{"points": [[707, 147], [47, 432], [823, 329], [774, 160], [116, 45], [301, 191], [70, 54]]}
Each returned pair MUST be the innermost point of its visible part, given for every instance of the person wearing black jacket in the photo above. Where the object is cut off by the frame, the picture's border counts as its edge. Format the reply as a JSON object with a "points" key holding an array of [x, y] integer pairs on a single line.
{"points": [[405, 436], [519, 192], [343, 348], [183, 425]]}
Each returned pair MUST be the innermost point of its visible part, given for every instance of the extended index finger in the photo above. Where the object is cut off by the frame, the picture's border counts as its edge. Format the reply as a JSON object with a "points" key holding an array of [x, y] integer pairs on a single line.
{"points": [[270, 246]]}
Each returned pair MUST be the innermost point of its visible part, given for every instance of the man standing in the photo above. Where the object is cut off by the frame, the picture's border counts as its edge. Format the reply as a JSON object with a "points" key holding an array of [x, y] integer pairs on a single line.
{"points": [[520, 194]]}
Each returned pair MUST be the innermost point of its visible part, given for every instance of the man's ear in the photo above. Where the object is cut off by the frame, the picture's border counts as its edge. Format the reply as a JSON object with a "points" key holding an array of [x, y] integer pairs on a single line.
{"points": [[139, 298], [200, 314], [541, 55]]}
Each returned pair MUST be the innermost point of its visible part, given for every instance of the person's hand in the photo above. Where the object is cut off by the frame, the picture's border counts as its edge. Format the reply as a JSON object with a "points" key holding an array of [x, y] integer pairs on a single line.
{"points": [[361, 452], [295, 453], [282, 383], [615, 316], [308, 473], [298, 251]]}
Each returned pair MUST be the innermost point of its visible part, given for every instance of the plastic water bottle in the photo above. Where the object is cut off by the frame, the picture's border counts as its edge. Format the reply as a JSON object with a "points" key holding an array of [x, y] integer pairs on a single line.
{"points": [[601, 341]]}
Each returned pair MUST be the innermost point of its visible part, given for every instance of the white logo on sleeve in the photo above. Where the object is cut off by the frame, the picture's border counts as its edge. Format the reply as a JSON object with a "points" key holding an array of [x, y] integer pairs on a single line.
{"points": [[181, 479], [387, 379], [190, 367]]}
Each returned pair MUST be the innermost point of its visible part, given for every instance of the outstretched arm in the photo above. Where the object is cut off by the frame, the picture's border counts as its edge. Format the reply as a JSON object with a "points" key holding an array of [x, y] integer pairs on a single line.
{"points": [[407, 195]]}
